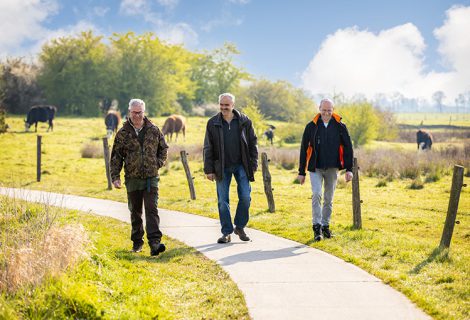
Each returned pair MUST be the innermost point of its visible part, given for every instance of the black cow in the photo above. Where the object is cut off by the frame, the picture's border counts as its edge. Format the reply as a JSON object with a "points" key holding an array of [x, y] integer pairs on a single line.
{"points": [[112, 120], [424, 139], [270, 133], [42, 113]]}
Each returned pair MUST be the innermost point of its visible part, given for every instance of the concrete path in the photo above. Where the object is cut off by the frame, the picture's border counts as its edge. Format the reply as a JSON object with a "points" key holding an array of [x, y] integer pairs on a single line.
{"points": [[280, 278]]}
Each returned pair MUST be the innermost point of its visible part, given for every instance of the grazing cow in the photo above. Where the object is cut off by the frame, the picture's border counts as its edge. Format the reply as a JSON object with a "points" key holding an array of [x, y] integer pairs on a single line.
{"points": [[424, 139], [40, 113], [174, 124], [270, 133], [112, 121]]}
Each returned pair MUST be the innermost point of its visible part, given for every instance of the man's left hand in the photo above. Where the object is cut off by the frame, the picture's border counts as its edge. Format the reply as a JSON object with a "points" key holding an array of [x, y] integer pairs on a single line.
{"points": [[348, 176]]}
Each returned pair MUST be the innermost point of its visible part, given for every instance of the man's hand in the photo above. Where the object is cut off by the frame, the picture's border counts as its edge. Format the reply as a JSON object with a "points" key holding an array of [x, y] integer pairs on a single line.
{"points": [[301, 179], [117, 184], [210, 176], [348, 176]]}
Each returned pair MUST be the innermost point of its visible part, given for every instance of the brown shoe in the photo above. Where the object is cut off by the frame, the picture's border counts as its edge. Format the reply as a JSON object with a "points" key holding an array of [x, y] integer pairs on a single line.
{"points": [[241, 234], [224, 239]]}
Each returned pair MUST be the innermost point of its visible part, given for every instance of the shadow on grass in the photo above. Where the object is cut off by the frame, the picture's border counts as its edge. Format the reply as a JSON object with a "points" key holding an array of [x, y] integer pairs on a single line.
{"points": [[164, 257], [438, 255]]}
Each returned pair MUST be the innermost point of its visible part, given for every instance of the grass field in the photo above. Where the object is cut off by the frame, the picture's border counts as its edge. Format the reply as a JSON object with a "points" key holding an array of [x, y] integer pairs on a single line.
{"points": [[113, 283], [401, 227]]}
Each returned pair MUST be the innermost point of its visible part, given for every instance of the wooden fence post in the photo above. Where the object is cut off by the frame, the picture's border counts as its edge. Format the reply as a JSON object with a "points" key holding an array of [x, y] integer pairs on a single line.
{"points": [[457, 184], [356, 197], [106, 161], [192, 191], [268, 190], [38, 159]]}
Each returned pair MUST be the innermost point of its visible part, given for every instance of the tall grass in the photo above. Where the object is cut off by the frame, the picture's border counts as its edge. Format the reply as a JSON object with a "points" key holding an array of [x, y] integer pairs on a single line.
{"points": [[33, 245]]}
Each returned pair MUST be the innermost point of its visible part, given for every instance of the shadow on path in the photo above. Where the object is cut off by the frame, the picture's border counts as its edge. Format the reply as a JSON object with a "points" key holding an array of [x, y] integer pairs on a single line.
{"points": [[259, 255]]}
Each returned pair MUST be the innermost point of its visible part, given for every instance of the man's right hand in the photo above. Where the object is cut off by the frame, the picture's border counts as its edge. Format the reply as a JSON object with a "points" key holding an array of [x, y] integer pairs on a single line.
{"points": [[210, 176], [117, 184], [301, 179]]}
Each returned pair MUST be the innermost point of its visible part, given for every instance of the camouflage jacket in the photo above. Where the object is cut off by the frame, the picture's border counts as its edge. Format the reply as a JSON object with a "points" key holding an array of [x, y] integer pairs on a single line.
{"points": [[141, 159]]}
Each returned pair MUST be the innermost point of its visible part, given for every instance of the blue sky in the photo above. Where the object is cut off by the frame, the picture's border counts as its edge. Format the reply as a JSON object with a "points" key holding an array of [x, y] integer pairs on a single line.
{"points": [[365, 47]]}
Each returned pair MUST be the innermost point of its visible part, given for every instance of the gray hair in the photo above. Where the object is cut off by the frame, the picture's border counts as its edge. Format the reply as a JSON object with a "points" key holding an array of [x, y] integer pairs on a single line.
{"points": [[139, 102], [327, 100], [226, 94]]}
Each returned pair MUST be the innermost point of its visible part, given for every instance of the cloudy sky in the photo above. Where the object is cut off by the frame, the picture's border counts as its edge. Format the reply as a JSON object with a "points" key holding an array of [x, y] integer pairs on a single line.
{"points": [[413, 47]]}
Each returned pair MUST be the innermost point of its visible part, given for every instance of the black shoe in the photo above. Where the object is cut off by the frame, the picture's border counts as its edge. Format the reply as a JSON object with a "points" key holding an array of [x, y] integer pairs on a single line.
{"points": [[326, 231], [317, 234], [156, 248], [241, 234], [224, 239], [137, 246]]}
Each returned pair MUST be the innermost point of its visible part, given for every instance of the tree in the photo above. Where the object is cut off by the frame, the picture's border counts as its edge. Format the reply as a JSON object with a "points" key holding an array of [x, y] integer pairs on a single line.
{"points": [[256, 117], [278, 100], [144, 67], [19, 89], [214, 73], [438, 96], [75, 74], [361, 120]]}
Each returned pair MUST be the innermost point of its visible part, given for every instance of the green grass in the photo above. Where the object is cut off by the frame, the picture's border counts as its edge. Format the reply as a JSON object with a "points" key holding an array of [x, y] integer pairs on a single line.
{"points": [[427, 119], [401, 226], [113, 283]]}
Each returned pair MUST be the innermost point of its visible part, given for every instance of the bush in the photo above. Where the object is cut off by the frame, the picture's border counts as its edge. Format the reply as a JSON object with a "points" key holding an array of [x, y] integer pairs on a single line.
{"points": [[381, 183], [92, 150], [417, 184], [3, 125], [362, 122], [292, 133]]}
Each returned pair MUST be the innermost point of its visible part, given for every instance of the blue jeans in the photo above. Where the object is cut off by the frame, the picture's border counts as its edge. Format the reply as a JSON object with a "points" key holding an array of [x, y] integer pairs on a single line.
{"points": [[244, 198]]}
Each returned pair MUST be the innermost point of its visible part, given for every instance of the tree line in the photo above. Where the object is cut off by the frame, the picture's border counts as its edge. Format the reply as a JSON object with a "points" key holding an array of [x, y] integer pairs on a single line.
{"points": [[85, 75]]}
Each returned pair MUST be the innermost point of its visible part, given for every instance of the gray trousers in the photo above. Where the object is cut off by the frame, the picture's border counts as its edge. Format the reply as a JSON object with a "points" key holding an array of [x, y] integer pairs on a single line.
{"points": [[318, 179]]}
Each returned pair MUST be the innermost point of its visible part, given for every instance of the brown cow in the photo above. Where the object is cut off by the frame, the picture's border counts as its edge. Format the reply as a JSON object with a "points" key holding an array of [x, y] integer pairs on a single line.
{"points": [[174, 124]]}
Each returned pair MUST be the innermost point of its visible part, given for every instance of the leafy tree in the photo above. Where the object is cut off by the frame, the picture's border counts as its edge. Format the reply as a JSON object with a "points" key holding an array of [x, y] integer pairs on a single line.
{"points": [[361, 120], [145, 67], [279, 100], [74, 73], [19, 89], [215, 73], [258, 119]]}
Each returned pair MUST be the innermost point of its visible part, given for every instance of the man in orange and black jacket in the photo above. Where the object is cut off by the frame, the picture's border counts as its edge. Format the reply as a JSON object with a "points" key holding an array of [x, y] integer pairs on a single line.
{"points": [[326, 148]]}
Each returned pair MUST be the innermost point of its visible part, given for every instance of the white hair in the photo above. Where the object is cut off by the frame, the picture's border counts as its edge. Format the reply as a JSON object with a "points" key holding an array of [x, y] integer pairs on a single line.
{"points": [[139, 102], [327, 100], [226, 94]]}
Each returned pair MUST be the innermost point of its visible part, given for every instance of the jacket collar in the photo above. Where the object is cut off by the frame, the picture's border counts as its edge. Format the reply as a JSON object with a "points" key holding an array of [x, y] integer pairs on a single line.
{"points": [[237, 114], [335, 116], [129, 127]]}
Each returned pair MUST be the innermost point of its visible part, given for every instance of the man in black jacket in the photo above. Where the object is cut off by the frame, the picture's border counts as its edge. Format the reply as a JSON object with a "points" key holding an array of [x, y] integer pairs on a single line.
{"points": [[230, 148], [326, 147]]}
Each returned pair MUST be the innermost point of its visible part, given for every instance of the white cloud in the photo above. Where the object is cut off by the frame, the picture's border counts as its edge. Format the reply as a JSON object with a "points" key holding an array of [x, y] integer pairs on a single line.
{"points": [[21, 21], [168, 3], [100, 11], [358, 61], [134, 7], [175, 33], [239, 1]]}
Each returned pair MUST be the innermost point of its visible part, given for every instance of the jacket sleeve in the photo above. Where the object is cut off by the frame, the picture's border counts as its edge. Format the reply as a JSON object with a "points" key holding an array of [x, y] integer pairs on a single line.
{"points": [[117, 157], [253, 147], [348, 149], [303, 151], [208, 152], [162, 151]]}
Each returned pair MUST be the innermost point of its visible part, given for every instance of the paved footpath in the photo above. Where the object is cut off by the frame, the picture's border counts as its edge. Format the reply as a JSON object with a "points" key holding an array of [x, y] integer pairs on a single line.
{"points": [[280, 278]]}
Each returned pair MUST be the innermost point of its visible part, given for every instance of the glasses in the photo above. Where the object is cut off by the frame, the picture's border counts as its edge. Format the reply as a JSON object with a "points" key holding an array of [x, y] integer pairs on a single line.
{"points": [[224, 104]]}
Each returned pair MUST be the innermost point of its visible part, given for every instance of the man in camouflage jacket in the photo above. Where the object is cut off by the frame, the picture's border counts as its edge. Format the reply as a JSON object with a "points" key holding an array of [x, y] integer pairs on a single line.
{"points": [[140, 146]]}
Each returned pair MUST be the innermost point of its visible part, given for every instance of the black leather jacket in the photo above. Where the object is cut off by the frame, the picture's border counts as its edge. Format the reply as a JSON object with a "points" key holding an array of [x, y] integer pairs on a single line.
{"points": [[214, 146]]}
